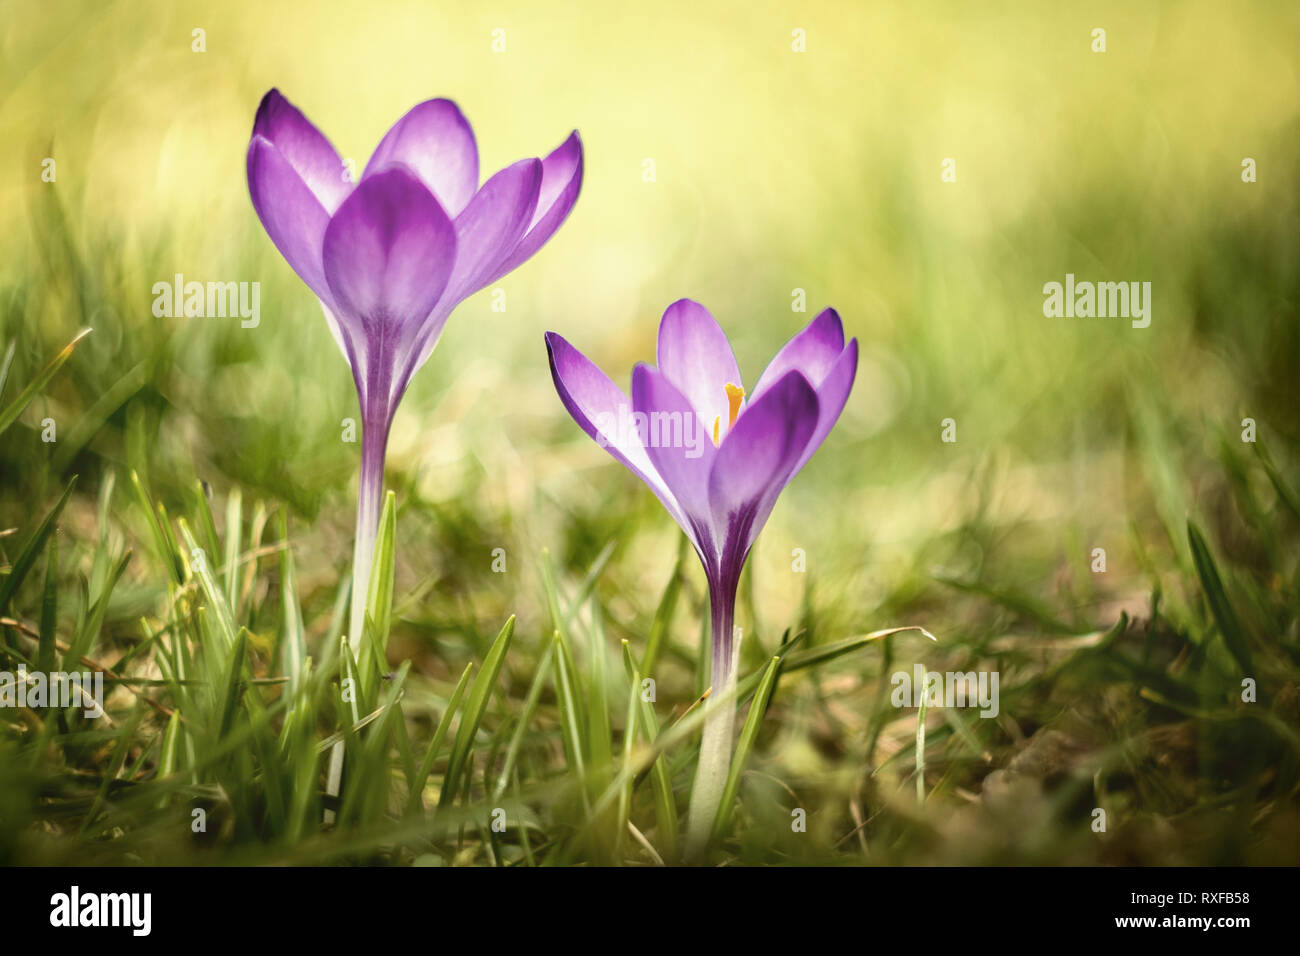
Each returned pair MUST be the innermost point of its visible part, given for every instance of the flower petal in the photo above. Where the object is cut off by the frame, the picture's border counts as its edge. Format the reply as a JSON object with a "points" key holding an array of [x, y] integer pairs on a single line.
{"points": [[832, 394], [601, 409], [561, 183], [492, 225], [304, 147], [493, 221], [695, 356], [436, 142], [347, 343], [678, 445], [388, 253], [756, 460], [290, 212], [813, 351]]}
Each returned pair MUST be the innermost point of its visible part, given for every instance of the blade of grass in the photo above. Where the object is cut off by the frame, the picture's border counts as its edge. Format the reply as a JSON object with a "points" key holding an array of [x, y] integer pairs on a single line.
{"points": [[920, 751], [475, 706], [623, 815], [368, 777], [233, 683], [748, 735], [6, 364], [27, 557], [233, 540], [379, 599], [589, 580], [660, 779], [165, 550], [201, 568], [15, 408], [828, 652], [440, 733], [90, 627], [293, 646], [664, 614], [45, 651], [599, 733], [534, 696], [570, 715], [1220, 606]]}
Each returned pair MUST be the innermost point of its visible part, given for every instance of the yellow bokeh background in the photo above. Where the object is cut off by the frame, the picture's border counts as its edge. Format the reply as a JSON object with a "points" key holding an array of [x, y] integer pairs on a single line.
{"points": [[775, 169]]}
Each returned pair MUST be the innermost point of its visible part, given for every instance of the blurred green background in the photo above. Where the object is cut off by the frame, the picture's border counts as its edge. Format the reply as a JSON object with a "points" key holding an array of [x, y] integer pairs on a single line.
{"points": [[774, 170]]}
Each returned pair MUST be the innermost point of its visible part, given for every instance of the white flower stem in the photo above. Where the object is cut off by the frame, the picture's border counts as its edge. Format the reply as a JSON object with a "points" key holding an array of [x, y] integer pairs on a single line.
{"points": [[716, 742], [374, 439], [711, 774]]}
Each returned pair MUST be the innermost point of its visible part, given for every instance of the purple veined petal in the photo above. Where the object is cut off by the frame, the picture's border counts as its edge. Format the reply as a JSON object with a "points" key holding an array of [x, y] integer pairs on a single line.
{"points": [[350, 338], [419, 344], [304, 147], [437, 143], [756, 460], [485, 232], [492, 225], [832, 394], [388, 253], [561, 184], [336, 331], [678, 444], [601, 408], [290, 212], [561, 179], [813, 351], [695, 355]]}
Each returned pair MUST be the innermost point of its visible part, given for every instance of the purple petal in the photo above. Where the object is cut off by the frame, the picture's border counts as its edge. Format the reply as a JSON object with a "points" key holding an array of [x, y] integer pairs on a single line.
{"points": [[290, 212], [492, 225], [388, 253], [561, 183], [599, 406], [493, 221], [832, 394], [813, 351], [347, 339], [695, 356], [436, 142], [678, 444], [756, 460], [304, 147]]}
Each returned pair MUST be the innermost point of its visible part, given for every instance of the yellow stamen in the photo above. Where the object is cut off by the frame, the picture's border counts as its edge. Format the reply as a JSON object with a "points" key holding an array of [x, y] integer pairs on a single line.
{"points": [[735, 395]]}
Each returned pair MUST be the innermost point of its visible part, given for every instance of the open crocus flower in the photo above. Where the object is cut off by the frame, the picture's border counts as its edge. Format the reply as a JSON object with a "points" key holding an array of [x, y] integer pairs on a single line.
{"points": [[390, 256], [717, 457]]}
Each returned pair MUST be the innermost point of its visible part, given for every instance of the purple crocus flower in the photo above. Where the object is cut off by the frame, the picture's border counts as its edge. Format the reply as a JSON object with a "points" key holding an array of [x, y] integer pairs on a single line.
{"points": [[391, 255], [716, 457]]}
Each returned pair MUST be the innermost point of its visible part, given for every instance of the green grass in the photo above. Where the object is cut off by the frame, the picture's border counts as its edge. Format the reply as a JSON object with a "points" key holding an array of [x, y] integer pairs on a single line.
{"points": [[216, 706], [190, 530]]}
